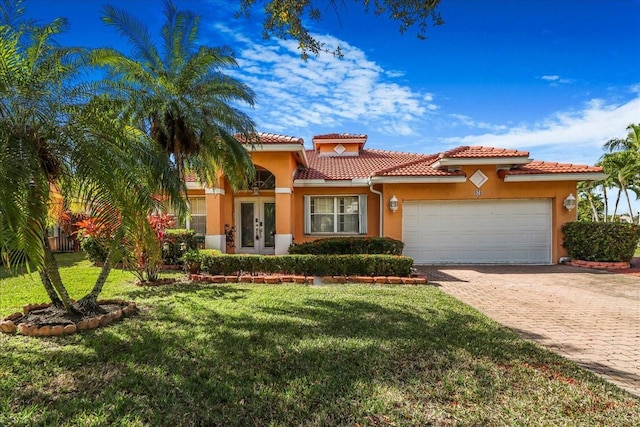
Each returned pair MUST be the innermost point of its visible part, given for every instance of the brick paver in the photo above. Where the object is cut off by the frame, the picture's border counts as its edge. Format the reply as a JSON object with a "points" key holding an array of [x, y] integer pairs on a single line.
{"points": [[591, 317]]}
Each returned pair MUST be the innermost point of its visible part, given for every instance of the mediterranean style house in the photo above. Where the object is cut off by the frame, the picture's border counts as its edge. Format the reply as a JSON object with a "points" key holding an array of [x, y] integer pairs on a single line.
{"points": [[472, 205]]}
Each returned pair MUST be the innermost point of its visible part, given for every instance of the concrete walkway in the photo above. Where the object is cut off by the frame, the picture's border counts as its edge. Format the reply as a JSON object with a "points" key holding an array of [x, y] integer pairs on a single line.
{"points": [[591, 317]]}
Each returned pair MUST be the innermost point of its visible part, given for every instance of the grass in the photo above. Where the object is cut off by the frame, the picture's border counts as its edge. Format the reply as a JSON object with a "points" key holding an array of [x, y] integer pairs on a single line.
{"points": [[280, 355]]}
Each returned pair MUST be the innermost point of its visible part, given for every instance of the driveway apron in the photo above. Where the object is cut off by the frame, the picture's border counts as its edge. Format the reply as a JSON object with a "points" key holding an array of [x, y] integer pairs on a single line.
{"points": [[591, 317]]}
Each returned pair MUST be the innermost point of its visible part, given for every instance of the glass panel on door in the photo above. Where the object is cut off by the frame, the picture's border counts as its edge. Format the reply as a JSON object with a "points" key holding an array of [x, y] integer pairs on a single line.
{"points": [[247, 218], [269, 219]]}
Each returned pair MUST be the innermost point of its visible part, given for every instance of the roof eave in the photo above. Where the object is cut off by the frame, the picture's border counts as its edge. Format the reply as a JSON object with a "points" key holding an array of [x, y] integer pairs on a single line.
{"points": [[293, 148], [356, 182], [584, 176], [480, 161], [455, 179]]}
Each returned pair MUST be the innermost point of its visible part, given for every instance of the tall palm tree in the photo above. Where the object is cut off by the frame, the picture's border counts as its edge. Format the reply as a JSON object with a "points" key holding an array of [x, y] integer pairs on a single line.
{"points": [[623, 161], [54, 133], [179, 95]]}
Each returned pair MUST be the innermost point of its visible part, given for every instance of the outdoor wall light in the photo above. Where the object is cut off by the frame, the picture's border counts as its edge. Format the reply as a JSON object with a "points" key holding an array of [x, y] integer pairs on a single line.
{"points": [[165, 246], [183, 246], [393, 203], [256, 190], [570, 202]]}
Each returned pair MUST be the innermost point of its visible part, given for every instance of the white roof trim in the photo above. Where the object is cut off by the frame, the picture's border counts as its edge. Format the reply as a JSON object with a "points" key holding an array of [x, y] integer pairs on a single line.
{"points": [[357, 182], [585, 176], [194, 185], [418, 179], [215, 190], [481, 161]]}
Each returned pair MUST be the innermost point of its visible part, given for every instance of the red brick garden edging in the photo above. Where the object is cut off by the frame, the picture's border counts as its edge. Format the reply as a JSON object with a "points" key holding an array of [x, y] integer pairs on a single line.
{"points": [[280, 278], [598, 265]]}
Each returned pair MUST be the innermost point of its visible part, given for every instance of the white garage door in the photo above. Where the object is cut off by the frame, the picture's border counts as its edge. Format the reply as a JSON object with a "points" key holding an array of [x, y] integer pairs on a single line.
{"points": [[478, 232]]}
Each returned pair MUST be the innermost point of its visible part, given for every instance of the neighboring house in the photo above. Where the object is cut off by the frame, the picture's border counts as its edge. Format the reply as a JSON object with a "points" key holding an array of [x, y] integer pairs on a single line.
{"points": [[466, 205]]}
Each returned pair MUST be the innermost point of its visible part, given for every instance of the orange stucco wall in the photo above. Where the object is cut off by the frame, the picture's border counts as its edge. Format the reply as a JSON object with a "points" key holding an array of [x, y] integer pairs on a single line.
{"points": [[494, 188], [328, 149], [290, 200], [373, 208]]}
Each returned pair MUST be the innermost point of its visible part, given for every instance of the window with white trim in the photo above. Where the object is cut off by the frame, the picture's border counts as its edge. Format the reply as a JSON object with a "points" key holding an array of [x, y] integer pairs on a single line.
{"points": [[196, 219], [335, 214]]}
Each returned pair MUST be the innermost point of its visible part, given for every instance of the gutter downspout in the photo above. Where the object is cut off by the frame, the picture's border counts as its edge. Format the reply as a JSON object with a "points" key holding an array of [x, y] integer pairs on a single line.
{"points": [[379, 193]]}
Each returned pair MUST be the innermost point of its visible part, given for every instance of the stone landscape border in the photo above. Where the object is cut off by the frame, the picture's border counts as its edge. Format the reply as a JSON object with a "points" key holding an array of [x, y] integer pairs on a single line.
{"points": [[8, 324]]}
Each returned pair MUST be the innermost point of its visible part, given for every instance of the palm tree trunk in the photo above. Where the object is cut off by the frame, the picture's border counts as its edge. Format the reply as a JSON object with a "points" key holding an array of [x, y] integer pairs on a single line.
{"points": [[89, 303], [606, 202], [615, 208], [48, 286], [52, 272], [626, 193], [594, 211]]}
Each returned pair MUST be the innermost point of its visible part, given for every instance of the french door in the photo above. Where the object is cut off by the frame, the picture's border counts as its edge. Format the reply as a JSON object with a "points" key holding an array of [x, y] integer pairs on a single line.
{"points": [[256, 225]]}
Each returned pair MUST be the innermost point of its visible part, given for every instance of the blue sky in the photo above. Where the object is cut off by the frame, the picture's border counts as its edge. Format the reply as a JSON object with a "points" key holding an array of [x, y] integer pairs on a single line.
{"points": [[555, 77]]}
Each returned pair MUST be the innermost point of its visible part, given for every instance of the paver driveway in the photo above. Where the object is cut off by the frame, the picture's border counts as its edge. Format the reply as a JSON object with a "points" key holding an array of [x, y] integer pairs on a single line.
{"points": [[591, 317]]}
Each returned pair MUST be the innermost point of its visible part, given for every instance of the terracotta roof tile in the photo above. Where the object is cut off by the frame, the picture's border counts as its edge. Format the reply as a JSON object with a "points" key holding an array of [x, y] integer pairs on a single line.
{"points": [[340, 136], [541, 167], [421, 167], [466, 152], [354, 167], [273, 138]]}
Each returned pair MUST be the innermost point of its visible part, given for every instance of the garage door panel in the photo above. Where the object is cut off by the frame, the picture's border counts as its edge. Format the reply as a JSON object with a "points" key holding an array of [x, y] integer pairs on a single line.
{"points": [[483, 232]]}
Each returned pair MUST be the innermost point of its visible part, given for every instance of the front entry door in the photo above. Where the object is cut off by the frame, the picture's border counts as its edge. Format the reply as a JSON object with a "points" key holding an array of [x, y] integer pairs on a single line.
{"points": [[256, 225]]}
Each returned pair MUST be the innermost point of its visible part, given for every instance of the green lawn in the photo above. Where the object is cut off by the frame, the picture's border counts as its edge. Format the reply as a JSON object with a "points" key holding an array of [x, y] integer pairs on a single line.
{"points": [[281, 355]]}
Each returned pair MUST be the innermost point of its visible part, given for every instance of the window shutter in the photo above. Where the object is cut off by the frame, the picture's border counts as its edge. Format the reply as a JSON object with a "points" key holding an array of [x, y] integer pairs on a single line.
{"points": [[362, 211], [307, 214]]}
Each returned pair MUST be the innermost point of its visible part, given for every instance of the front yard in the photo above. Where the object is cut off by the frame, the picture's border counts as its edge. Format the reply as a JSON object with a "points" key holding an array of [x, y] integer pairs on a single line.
{"points": [[202, 354]]}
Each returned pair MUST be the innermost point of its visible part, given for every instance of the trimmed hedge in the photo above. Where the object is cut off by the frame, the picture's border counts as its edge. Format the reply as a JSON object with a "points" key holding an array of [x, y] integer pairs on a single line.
{"points": [[309, 265], [601, 241], [348, 246]]}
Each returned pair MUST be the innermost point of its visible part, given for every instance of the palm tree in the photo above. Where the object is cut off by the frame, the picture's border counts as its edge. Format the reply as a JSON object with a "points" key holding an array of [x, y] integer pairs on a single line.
{"points": [[623, 162], [55, 134], [595, 205], [180, 97]]}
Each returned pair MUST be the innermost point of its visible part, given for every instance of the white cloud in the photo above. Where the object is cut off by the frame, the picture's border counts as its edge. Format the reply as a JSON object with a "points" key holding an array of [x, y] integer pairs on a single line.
{"points": [[555, 79], [577, 134], [326, 91]]}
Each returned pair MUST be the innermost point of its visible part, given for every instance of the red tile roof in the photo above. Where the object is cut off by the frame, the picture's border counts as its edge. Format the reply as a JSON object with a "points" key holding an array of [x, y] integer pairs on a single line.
{"points": [[467, 152], [539, 167], [367, 163], [418, 168], [272, 138], [374, 162], [340, 136]]}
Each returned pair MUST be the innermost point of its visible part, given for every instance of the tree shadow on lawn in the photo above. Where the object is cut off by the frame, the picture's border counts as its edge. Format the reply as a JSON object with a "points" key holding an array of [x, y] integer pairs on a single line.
{"points": [[320, 362]]}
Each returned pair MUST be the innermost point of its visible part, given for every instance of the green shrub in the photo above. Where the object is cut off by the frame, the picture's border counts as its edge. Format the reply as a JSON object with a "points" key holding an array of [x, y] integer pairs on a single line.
{"points": [[95, 249], [309, 265], [172, 248], [349, 245], [601, 241]]}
